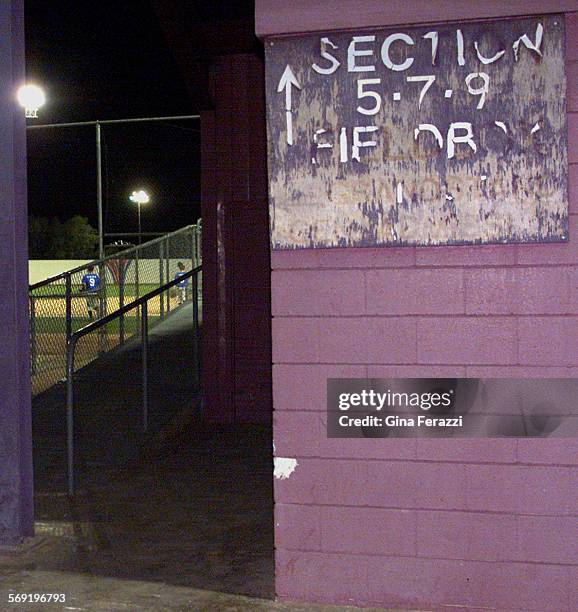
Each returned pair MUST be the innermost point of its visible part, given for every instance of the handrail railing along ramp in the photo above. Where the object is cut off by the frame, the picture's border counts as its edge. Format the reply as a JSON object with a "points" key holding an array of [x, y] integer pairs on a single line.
{"points": [[141, 305]]}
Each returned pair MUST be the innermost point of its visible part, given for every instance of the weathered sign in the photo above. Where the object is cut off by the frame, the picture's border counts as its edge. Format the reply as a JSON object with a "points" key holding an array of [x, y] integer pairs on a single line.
{"points": [[443, 135]]}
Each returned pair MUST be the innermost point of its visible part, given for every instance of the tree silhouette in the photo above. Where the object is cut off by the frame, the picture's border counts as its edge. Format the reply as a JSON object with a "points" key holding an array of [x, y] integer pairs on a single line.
{"points": [[52, 239]]}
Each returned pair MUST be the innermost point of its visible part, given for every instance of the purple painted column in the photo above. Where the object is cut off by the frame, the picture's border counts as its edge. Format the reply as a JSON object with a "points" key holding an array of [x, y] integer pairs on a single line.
{"points": [[16, 501]]}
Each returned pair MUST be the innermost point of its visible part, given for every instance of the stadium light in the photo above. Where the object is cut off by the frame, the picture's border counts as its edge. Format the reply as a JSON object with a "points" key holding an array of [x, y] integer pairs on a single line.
{"points": [[139, 197], [31, 98]]}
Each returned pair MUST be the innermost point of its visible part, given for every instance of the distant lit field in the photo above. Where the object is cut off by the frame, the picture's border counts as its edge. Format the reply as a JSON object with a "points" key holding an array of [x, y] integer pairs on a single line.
{"points": [[48, 327], [59, 290]]}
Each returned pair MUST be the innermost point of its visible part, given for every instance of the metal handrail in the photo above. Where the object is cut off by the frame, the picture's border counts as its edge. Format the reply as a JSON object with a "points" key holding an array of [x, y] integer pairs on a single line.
{"points": [[87, 329], [97, 262]]}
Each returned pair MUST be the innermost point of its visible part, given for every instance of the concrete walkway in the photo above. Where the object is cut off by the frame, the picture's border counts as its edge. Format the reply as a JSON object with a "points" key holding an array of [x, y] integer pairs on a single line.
{"points": [[178, 505], [95, 593], [108, 408], [180, 518]]}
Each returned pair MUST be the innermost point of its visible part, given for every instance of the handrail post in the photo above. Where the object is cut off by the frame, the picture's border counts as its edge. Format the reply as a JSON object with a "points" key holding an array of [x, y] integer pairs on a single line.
{"points": [[70, 348], [102, 301], [193, 249], [161, 279], [136, 280], [145, 377], [68, 307], [168, 259]]}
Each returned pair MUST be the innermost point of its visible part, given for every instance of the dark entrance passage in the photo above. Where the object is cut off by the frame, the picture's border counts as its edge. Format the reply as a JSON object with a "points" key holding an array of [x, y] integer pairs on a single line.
{"points": [[187, 505], [191, 504]]}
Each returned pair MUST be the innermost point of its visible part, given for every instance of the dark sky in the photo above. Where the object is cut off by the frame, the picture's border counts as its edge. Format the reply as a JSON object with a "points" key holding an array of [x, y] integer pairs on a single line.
{"points": [[106, 60]]}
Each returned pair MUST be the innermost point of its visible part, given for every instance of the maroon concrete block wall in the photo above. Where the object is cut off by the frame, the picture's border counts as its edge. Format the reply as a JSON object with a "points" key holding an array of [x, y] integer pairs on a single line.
{"points": [[236, 267], [426, 523]]}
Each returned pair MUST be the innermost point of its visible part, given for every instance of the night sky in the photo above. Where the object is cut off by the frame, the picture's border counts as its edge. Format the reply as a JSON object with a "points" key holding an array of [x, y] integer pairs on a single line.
{"points": [[108, 60]]}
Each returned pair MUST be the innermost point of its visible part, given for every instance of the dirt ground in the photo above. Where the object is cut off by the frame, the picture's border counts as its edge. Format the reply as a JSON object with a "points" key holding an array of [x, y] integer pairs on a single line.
{"points": [[56, 307]]}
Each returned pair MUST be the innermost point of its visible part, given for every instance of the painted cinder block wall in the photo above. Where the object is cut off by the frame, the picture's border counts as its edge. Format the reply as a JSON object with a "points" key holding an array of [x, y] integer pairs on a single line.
{"points": [[424, 523], [16, 503]]}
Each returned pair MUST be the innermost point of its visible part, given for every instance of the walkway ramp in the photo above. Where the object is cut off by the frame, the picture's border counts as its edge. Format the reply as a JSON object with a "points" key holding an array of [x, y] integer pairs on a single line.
{"points": [[108, 402], [190, 509]]}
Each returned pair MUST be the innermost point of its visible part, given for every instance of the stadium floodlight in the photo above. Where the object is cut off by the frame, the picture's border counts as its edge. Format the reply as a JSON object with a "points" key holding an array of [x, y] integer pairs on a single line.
{"points": [[31, 98], [139, 197]]}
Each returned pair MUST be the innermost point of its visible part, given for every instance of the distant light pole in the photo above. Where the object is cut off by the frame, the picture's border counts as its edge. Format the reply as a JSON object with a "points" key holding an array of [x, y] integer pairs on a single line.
{"points": [[139, 197]]}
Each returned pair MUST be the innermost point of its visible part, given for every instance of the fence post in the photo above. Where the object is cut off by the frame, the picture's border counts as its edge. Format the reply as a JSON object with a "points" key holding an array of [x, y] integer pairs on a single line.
{"points": [[145, 377], [168, 257], [68, 307], [102, 334], [195, 284], [136, 278], [33, 346], [161, 278], [121, 280], [70, 346]]}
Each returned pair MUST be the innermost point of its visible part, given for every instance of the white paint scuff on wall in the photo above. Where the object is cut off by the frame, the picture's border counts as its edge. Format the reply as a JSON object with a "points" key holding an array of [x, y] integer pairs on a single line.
{"points": [[284, 467]]}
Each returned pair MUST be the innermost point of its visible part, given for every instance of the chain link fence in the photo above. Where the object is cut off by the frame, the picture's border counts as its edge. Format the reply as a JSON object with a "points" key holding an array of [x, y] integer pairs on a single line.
{"points": [[61, 305]]}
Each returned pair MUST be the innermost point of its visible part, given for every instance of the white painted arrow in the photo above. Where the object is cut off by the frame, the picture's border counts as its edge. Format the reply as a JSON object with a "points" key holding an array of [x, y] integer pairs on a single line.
{"points": [[286, 82]]}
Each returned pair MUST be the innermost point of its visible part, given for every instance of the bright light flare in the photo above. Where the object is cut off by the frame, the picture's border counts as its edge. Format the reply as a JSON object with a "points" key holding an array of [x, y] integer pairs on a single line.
{"points": [[31, 98], [139, 197]]}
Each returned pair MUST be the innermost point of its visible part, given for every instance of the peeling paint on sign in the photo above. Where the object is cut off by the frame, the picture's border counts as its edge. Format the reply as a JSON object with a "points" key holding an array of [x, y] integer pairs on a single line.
{"points": [[284, 467], [419, 136]]}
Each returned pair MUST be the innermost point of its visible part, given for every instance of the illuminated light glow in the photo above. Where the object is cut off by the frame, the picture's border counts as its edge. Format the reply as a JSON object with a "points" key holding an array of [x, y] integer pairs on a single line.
{"points": [[31, 98], [139, 197]]}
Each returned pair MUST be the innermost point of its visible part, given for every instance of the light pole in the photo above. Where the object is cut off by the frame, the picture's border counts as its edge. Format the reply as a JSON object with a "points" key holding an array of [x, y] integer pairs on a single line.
{"points": [[139, 197]]}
